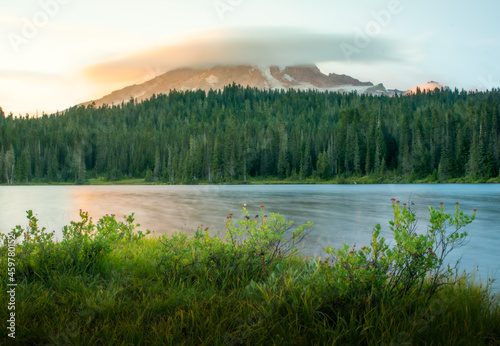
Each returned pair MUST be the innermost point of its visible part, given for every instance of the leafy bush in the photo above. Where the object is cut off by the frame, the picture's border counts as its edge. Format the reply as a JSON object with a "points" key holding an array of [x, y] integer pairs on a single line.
{"points": [[87, 243], [252, 246], [36, 250], [414, 264], [83, 246]]}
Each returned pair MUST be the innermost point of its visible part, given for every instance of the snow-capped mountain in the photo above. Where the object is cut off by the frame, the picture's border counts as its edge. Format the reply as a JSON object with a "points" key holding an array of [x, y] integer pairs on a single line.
{"points": [[262, 77], [426, 87]]}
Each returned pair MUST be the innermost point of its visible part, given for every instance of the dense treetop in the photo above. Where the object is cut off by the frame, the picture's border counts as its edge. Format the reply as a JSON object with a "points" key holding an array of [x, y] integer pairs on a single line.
{"points": [[237, 133]]}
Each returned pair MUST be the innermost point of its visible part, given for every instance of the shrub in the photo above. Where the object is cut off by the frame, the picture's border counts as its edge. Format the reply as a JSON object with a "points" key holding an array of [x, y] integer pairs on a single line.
{"points": [[86, 243], [252, 246], [414, 264], [36, 250], [83, 246]]}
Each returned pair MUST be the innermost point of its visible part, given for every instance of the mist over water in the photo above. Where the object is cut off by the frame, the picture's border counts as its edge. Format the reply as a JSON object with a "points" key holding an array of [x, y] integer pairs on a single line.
{"points": [[341, 213]]}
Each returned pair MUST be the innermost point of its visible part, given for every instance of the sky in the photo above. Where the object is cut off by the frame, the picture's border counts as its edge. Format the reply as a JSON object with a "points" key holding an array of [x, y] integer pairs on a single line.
{"points": [[55, 54]]}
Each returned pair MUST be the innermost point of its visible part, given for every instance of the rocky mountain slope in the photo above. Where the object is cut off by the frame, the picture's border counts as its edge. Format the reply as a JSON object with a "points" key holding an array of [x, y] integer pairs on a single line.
{"points": [[262, 77]]}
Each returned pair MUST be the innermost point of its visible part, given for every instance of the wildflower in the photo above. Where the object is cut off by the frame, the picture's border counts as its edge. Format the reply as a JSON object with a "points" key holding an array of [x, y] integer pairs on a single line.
{"points": [[265, 215], [262, 206], [441, 203], [243, 205], [230, 214], [474, 210], [404, 204], [351, 252], [397, 202], [393, 199], [456, 203], [256, 216]]}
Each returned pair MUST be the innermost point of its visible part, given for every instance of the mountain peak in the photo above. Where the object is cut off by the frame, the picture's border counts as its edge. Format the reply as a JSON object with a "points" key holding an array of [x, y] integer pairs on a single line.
{"points": [[267, 77], [426, 87]]}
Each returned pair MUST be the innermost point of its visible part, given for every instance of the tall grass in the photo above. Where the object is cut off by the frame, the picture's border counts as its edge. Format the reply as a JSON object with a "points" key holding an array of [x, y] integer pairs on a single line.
{"points": [[105, 284]]}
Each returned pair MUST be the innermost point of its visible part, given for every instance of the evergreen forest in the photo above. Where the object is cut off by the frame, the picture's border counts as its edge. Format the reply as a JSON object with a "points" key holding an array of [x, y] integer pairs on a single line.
{"points": [[237, 134]]}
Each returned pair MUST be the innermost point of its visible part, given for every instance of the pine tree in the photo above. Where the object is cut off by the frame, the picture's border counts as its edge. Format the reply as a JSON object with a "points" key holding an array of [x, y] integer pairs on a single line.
{"points": [[323, 166], [23, 167], [9, 165], [2, 163], [283, 167], [52, 168]]}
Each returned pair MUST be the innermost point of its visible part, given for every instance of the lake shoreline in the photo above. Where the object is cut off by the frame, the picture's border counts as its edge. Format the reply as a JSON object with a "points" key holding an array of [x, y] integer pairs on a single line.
{"points": [[365, 180]]}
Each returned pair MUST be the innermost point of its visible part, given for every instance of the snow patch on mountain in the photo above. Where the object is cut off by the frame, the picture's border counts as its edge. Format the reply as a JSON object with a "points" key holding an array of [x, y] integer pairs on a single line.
{"points": [[271, 82], [212, 80]]}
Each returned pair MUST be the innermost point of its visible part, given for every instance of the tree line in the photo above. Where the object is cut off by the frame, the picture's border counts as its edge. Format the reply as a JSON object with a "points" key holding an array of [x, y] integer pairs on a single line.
{"points": [[239, 133]]}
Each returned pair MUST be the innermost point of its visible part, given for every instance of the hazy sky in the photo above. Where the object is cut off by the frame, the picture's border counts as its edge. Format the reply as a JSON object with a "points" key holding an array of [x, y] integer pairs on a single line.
{"points": [[57, 53]]}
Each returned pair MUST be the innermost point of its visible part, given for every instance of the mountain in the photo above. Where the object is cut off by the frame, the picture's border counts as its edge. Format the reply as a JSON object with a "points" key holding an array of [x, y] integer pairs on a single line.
{"points": [[426, 87], [263, 77]]}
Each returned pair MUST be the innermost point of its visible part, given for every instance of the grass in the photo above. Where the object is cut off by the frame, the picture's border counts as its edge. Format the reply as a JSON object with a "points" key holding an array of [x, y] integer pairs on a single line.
{"points": [[181, 290], [388, 178], [128, 301], [134, 181]]}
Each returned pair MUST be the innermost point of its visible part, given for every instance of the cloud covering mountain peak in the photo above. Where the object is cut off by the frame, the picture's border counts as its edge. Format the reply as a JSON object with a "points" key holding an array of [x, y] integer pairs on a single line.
{"points": [[252, 46]]}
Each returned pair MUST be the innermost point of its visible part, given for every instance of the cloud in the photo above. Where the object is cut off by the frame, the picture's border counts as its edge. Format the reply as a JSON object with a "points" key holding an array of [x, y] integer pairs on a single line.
{"points": [[277, 46], [28, 75]]}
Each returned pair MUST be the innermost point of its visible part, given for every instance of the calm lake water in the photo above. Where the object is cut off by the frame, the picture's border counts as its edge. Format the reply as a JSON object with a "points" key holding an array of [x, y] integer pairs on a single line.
{"points": [[341, 213]]}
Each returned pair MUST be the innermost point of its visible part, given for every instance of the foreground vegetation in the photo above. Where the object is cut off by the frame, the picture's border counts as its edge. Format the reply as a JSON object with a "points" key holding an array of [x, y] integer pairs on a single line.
{"points": [[106, 283], [243, 134]]}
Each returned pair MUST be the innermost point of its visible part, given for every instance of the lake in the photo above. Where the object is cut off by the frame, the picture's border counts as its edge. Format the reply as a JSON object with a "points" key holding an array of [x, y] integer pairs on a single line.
{"points": [[341, 213]]}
